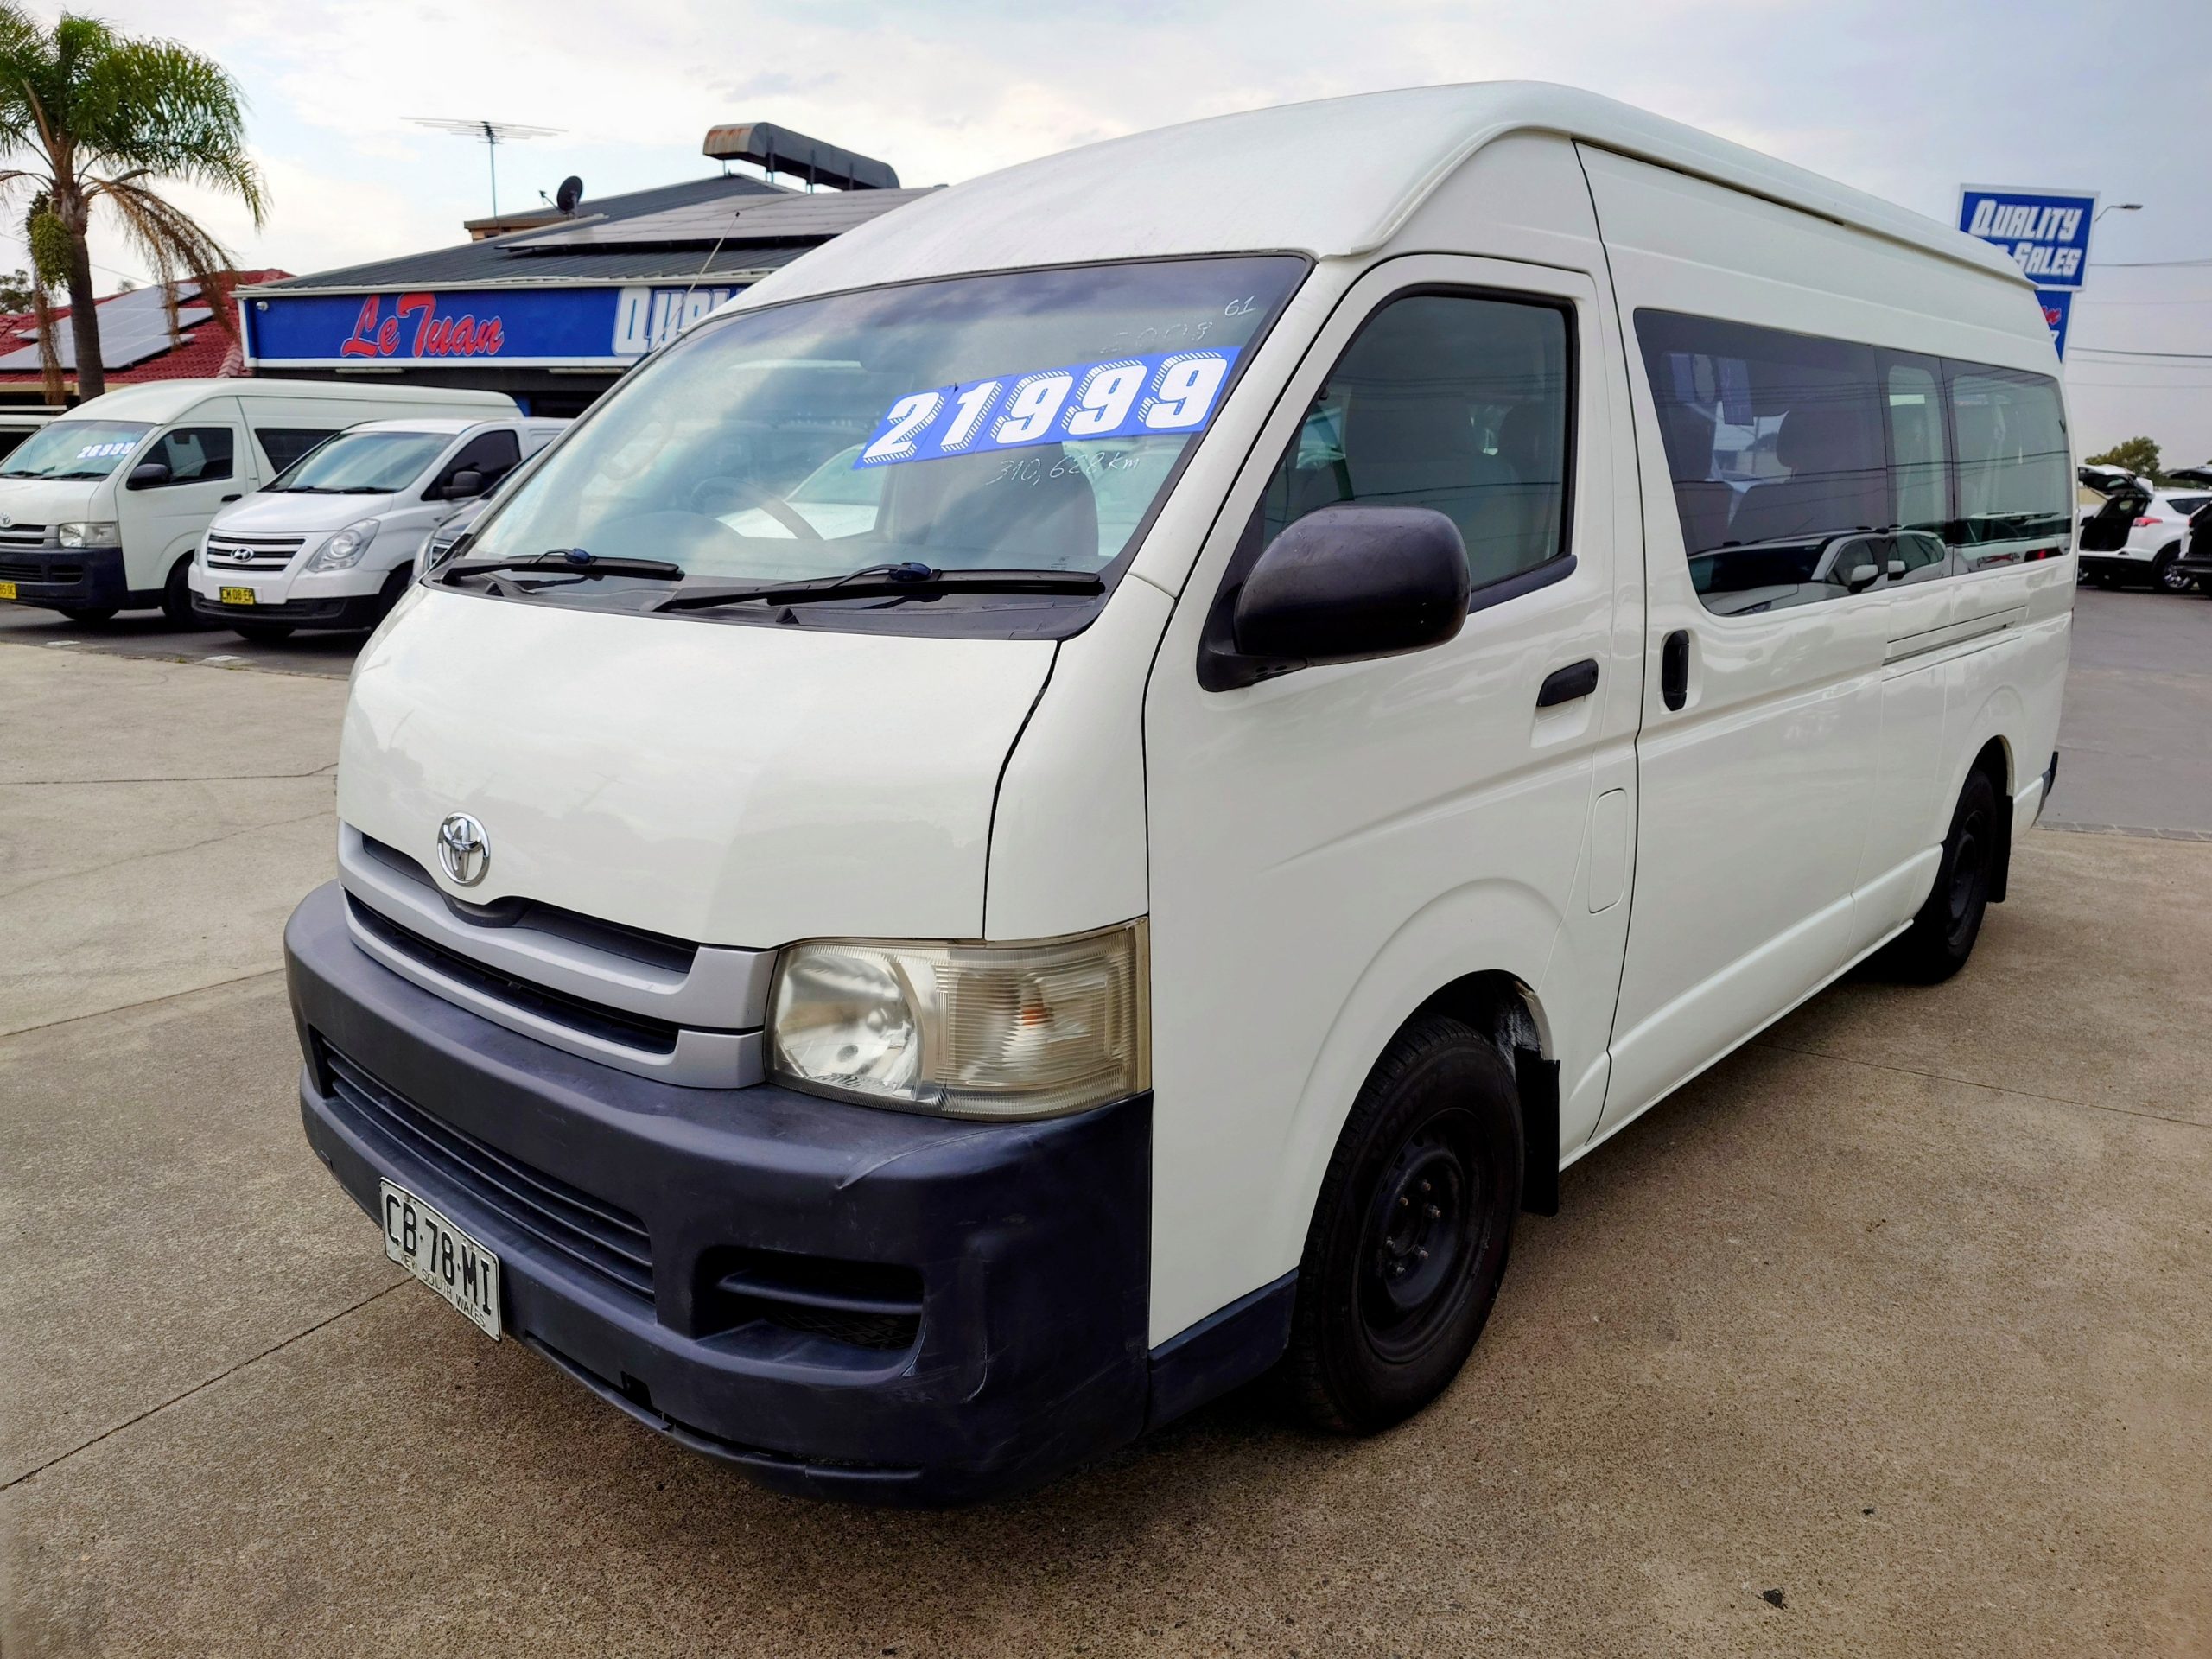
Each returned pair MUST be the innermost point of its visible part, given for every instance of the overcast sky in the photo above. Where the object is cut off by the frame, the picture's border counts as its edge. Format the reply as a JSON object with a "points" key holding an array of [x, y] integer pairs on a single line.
{"points": [[1907, 100]]}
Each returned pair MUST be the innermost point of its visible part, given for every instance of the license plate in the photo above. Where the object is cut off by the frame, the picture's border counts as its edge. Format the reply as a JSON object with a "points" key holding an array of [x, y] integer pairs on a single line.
{"points": [[235, 596], [443, 1257], [7, 590]]}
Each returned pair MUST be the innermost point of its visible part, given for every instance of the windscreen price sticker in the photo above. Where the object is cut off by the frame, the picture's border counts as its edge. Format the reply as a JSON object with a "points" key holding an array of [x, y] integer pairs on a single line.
{"points": [[1167, 394], [102, 451]]}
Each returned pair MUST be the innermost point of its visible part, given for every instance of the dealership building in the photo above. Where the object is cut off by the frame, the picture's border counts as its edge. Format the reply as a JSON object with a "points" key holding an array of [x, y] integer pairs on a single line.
{"points": [[550, 307]]}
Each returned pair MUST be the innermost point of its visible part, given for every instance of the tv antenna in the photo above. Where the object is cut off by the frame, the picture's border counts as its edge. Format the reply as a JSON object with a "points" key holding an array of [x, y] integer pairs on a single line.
{"points": [[491, 134]]}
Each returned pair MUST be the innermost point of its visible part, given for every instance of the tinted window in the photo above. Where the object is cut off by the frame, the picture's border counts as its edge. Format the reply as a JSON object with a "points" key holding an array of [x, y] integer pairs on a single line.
{"points": [[1776, 445], [494, 454], [194, 454], [285, 444], [1920, 459], [1453, 402], [2015, 482]]}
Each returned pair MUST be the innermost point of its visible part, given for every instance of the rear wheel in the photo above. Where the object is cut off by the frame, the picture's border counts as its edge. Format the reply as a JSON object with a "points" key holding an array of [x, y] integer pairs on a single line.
{"points": [[262, 633], [90, 615], [1941, 936], [1409, 1239], [2165, 574]]}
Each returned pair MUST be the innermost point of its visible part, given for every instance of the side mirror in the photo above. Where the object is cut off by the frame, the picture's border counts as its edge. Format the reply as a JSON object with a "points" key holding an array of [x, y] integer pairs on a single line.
{"points": [[464, 484], [1857, 562], [1342, 585], [148, 475]]}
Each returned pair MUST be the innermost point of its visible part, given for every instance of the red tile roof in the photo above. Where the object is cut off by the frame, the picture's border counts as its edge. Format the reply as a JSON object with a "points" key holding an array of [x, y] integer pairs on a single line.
{"points": [[209, 349]]}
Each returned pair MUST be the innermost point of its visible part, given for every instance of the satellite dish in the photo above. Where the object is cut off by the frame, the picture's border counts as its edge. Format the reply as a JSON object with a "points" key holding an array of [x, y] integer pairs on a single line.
{"points": [[570, 192]]}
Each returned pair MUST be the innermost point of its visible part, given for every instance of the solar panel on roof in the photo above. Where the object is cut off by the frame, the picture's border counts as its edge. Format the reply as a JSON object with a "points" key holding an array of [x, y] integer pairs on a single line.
{"points": [[134, 326]]}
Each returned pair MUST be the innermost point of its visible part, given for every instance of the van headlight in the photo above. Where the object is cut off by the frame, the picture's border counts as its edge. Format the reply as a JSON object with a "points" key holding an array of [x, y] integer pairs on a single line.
{"points": [[1022, 1030], [86, 532], [343, 551]]}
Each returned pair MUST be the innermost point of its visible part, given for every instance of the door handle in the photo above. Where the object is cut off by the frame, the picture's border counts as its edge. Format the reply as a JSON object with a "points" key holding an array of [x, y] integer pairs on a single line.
{"points": [[1566, 684], [229, 498], [1675, 668]]}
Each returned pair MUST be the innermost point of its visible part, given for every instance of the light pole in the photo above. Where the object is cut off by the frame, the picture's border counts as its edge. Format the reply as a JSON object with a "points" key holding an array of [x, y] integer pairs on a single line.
{"points": [[2116, 208]]}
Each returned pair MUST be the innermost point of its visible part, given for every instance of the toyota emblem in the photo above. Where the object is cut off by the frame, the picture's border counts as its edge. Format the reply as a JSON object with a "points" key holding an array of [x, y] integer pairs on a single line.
{"points": [[463, 849]]}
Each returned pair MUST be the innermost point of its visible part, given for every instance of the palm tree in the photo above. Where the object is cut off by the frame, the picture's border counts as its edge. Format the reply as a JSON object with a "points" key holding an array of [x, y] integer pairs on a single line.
{"points": [[104, 116]]}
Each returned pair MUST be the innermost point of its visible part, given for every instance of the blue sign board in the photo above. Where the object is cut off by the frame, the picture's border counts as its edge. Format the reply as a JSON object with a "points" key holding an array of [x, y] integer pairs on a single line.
{"points": [[582, 327], [2045, 232], [2058, 310]]}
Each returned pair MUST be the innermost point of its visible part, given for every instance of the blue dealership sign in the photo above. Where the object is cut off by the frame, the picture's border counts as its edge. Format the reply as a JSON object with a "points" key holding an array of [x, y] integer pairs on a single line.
{"points": [[583, 326], [2057, 311], [2045, 232]]}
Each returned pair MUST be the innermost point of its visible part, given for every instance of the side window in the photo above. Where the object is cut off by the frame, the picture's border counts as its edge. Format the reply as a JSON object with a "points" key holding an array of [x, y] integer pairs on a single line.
{"points": [[1920, 460], [285, 444], [194, 454], [1776, 449], [2014, 480], [1456, 402], [494, 454]]}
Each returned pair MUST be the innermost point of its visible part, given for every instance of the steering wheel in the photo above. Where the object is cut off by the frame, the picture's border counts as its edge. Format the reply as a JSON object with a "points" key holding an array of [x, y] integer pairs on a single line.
{"points": [[746, 494]]}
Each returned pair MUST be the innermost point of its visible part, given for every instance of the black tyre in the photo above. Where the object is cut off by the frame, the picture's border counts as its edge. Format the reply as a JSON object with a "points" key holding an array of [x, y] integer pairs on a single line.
{"points": [[1941, 936], [394, 590], [91, 615], [176, 597], [1409, 1240], [2165, 575], [262, 633]]}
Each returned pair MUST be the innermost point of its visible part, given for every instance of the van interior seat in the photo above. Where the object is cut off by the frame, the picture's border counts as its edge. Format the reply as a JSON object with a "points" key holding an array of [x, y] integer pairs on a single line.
{"points": [[1823, 491], [1031, 508], [1705, 502], [1425, 451]]}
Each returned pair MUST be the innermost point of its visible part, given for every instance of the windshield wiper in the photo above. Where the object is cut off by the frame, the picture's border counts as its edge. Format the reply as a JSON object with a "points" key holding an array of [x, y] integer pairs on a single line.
{"points": [[893, 581], [567, 562]]}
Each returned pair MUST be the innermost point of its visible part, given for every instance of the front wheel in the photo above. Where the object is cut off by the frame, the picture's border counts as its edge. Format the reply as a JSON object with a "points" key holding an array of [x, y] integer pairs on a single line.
{"points": [[1941, 938], [1409, 1239], [176, 596], [2166, 574]]}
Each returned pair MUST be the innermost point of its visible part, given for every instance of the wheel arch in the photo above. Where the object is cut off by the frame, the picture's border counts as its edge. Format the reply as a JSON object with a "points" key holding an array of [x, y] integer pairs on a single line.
{"points": [[1476, 953]]}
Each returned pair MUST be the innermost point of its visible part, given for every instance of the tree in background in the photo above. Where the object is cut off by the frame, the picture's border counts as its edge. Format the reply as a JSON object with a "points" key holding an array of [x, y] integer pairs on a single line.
{"points": [[103, 117], [49, 246], [2136, 454]]}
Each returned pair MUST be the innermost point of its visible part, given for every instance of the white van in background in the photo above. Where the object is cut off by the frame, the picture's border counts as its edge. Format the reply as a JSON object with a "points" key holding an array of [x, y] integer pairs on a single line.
{"points": [[331, 541], [1084, 792], [102, 509]]}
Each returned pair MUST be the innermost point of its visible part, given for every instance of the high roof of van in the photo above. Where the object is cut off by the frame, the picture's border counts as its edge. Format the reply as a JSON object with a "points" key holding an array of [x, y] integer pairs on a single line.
{"points": [[1338, 176], [164, 400]]}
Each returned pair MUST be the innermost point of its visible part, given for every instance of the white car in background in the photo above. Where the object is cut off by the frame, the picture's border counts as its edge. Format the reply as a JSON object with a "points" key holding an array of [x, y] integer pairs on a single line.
{"points": [[331, 542], [2139, 534]]}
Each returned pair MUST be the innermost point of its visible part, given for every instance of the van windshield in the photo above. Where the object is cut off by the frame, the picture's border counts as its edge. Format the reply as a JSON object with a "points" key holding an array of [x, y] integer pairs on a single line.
{"points": [[1022, 421], [361, 463], [76, 449]]}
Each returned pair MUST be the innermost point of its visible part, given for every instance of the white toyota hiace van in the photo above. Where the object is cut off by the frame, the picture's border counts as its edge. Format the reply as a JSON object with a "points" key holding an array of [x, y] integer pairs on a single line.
{"points": [[102, 510], [1085, 792], [331, 541]]}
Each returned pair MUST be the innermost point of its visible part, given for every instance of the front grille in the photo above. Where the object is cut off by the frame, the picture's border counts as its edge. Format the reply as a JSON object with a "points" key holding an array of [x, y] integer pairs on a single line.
{"points": [[617, 939], [610, 1025], [39, 570], [590, 1232], [251, 552], [23, 536]]}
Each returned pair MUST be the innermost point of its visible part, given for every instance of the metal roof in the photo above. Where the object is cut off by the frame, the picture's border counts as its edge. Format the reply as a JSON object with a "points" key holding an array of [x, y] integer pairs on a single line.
{"points": [[134, 326], [1340, 176], [785, 218], [502, 261]]}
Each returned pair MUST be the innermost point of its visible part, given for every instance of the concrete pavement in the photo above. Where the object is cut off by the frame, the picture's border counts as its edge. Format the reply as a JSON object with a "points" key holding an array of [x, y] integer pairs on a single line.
{"points": [[1893, 1333]]}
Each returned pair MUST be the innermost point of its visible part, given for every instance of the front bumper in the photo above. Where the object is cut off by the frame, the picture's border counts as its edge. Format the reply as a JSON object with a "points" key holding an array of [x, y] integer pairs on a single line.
{"points": [[79, 578], [1015, 1254], [339, 611]]}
